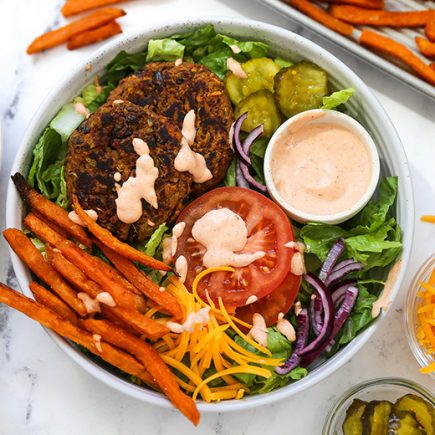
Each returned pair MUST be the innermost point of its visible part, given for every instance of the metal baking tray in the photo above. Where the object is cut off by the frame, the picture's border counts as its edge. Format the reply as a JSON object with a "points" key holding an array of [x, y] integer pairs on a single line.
{"points": [[388, 65]]}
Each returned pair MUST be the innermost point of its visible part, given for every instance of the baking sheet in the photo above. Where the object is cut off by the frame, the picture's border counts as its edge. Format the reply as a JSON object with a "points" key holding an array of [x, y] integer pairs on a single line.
{"points": [[390, 66]]}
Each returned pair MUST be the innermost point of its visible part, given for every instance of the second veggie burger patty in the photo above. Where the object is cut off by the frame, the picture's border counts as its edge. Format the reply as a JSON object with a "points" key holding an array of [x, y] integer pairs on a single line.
{"points": [[172, 91]]}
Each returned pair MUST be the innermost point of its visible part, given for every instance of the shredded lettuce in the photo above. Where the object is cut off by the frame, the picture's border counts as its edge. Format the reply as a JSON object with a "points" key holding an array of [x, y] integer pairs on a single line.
{"points": [[337, 98], [66, 121], [164, 50], [252, 49], [155, 240], [123, 64], [375, 240]]}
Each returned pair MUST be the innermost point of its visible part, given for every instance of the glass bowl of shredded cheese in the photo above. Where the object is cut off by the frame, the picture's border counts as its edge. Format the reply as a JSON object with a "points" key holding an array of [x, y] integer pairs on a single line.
{"points": [[420, 316]]}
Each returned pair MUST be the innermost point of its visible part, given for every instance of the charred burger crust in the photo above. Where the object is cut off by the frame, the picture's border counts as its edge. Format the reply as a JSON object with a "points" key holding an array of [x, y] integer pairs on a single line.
{"points": [[173, 91], [102, 146]]}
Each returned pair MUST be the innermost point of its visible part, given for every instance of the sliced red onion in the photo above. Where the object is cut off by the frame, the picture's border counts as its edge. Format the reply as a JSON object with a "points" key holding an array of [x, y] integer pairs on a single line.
{"points": [[240, 179], [339, 290], [340, 273], [301, 342], [339, 320], [328, 318], [342, 264], [331, 259], [251, 138], [238, 146], [316, 311], [250, 179]]}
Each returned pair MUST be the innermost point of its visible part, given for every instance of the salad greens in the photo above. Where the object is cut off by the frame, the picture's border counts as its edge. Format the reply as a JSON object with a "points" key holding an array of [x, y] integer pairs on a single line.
{"points": [[337, 98], [280, 348]]}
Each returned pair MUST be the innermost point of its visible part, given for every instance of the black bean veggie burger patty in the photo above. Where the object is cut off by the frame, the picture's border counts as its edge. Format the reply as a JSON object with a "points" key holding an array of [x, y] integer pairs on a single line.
{"points": [[173, 91], [103, 146]]}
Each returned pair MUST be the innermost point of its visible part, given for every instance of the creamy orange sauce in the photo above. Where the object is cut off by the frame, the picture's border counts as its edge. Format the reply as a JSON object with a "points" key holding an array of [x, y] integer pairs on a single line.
{"points": [[131, 193], [200, 317], [117, 177], [181, 267], [236, 68], [258, 331], [251, 300], [298, 308], [167, 250], [118, 101], [106, 298], [177, 231], [91, 305], [286, 328], [319, 167], [187, 160], [81, 109], [383, 301], [97, 340], [73, 216], [178, 62], [235, 49], [223, 232], [297, 265]]}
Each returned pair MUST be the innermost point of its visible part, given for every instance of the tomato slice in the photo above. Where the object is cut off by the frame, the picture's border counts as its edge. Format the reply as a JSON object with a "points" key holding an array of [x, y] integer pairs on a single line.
{"points": [[279, 301], [269, 229]]}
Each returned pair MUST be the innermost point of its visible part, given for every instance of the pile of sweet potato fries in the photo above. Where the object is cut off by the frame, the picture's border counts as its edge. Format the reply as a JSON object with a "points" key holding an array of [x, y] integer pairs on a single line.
{"points": [[343, 15], [96, 27], [90, 302]]}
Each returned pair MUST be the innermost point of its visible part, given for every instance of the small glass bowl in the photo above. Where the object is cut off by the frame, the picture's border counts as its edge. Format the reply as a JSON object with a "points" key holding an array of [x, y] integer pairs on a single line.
{"points": [[377, 389], [411, 320]]}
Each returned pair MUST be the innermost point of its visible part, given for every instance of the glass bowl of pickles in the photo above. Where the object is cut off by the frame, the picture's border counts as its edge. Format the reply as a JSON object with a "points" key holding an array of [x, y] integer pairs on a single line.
{"points": [[385, 406]]}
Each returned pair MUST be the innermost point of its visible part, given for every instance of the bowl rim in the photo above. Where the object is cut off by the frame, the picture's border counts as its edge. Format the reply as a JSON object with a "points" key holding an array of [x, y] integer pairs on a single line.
{"points": [[393, 381], [409, 315], [271, 31], [340, 119]]}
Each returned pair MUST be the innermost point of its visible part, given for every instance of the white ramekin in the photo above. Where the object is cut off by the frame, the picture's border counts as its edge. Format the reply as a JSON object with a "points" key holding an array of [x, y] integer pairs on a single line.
{"points": [[307, 119]]}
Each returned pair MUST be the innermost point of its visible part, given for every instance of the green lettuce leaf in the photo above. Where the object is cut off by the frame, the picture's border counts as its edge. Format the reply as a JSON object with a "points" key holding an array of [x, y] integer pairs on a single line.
{"points": [[337, 98], [252, 49], [230, 176], [282, 62], [193, 40], [164, 50], [66, 121], [155, 240], [374, 239], [262, 385], [123, 64], [46, 170]]}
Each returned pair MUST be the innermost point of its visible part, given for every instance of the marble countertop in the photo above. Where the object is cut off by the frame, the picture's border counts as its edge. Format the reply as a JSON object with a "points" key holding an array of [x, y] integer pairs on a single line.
{"points": [[42, 391]]}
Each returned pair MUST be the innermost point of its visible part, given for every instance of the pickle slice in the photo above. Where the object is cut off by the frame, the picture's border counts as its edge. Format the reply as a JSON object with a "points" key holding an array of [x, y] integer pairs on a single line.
{"points": [[352, 425], [260, 74], [404, 423], [376, 417], [300, 87], [423, 411], [262, 109]]}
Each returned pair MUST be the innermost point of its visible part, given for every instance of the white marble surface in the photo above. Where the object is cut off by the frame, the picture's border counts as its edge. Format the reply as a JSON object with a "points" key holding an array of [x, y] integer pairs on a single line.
{"points": [[41, 390]]}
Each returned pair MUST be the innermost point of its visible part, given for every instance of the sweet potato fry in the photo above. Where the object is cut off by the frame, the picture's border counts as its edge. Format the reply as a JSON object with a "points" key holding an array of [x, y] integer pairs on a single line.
{"points": [[63, 34], [50, 210], [426, 47], [151, 360], [94, 36], [82, 260], [28, 253], [132, 319], [142, 282], [74, 7], [432, 65], [321, 16], [50, 300], [116, 245], [399, 51], [366, 4], [429, 30], [50, 319], [361, 16]]}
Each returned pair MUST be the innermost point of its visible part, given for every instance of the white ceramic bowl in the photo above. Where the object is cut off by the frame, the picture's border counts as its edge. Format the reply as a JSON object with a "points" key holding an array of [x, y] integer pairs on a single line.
{"points": [[283, 43], [305, 120]]}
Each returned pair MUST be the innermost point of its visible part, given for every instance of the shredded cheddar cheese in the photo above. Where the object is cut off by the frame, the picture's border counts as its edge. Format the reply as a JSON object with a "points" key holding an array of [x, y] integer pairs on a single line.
{"points": [[191, 354], [426, 318]]}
